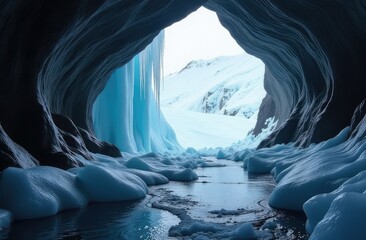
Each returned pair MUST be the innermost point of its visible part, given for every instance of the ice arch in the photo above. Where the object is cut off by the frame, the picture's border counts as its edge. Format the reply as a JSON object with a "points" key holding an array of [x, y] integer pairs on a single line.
{"points": [[56, 58]]}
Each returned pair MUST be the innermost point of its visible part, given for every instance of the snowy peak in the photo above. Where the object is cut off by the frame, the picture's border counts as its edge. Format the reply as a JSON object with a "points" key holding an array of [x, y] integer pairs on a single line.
{"points": [[230, 85]]}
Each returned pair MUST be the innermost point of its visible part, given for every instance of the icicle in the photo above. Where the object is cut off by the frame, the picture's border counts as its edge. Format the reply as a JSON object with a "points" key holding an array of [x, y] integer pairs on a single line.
{"points": [[127, 112]]}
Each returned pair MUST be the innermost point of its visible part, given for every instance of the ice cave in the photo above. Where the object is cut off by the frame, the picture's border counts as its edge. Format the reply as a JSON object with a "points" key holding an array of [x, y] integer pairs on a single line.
{"points": [[86, 156]]}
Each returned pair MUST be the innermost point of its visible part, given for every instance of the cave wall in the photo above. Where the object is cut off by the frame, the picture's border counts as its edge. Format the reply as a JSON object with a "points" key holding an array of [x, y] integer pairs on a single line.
{"points": [[56, 57], [314, 53]]}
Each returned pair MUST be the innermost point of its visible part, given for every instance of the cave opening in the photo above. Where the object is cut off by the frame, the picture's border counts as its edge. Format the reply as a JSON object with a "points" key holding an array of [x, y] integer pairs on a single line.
{"points": [[212, 88], [210, 91], [51, 161]]}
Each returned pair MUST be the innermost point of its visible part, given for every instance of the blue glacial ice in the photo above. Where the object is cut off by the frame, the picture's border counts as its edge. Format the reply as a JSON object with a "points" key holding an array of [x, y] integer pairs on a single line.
{"points": [[132, 120], [326, 180]]}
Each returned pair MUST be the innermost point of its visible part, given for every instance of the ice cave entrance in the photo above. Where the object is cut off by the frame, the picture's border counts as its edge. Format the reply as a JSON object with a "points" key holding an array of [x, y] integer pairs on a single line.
{"points": [[210, 94], [212, 89]]}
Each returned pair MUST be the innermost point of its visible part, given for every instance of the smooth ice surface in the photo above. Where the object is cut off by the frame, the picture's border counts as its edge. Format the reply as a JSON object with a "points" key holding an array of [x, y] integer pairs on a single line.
{"points": [[101, 184], [38, 192], [132, 119]]}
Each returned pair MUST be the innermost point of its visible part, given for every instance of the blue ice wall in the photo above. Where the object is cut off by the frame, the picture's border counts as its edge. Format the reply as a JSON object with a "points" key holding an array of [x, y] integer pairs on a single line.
{"points": [[127, 112]]}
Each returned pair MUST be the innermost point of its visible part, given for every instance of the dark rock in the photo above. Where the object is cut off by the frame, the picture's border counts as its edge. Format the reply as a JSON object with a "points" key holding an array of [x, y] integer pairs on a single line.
{"points": [[13, 155], [71, 135], [96, 146], [266, 110]]}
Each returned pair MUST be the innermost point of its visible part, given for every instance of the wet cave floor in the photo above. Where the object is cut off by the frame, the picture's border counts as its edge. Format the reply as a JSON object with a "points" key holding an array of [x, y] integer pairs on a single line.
{"points": [[224, 195]]}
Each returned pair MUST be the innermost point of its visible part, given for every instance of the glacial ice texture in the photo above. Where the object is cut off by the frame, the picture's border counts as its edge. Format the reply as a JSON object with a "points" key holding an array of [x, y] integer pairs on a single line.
{"points": [[132, 120]]}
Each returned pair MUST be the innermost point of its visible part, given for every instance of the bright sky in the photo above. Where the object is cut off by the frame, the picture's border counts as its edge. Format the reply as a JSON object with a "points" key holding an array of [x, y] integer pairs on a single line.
{"points": [[198, 36]]}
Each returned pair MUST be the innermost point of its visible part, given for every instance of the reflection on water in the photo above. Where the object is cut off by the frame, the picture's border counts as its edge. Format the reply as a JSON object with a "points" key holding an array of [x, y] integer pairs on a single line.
{"points": [[228, 188], [126, 220]]}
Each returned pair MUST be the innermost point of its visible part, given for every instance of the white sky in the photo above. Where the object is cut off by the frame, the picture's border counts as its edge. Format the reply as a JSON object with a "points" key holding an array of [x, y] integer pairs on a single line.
{"points": [[198, 36]]}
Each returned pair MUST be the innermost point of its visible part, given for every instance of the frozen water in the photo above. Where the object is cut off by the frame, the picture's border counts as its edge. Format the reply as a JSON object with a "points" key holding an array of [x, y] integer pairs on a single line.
{"points": [[132, 119]]}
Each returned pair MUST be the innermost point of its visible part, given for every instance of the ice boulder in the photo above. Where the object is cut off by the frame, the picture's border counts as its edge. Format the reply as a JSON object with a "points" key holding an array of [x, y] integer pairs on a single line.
{"points": [[150, 178], [344, 219], [103, 184], [38, 192], [244, 232], [155, 164], [222, 155], [317, 207]]}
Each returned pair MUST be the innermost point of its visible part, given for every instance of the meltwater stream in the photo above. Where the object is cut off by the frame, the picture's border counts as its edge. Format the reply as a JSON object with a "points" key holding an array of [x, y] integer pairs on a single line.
{"points": [[224, 195]]}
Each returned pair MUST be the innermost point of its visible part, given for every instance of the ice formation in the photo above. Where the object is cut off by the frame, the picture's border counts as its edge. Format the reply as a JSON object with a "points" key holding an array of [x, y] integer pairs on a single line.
{"points": [[60, 60], [43, 191], [132, 119], [326, 180]]}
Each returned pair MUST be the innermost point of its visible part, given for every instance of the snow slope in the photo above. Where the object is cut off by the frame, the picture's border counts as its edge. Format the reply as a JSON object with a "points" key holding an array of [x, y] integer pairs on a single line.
{"points": [[199, 130], [195, 99], [224, 85]]}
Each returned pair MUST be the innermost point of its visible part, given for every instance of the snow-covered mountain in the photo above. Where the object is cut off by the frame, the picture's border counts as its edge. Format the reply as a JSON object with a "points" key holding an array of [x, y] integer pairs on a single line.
{"points": [[195, 100], [223, 85]]}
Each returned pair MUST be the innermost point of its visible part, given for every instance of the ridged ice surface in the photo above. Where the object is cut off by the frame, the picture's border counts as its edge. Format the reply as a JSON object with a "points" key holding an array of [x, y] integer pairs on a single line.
{"points": [[127, 114]]}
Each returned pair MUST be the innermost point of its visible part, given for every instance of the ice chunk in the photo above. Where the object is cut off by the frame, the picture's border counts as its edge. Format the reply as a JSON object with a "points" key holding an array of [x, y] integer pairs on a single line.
{"points": [[222, 155], [155, 164], [102, 184], [344, 219], [244, 232], [317, 206], [39, 192], [150, 178]]}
